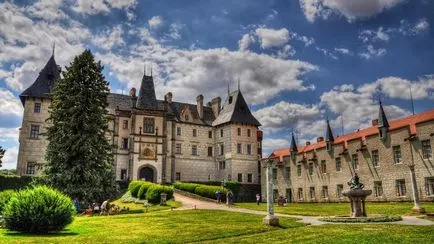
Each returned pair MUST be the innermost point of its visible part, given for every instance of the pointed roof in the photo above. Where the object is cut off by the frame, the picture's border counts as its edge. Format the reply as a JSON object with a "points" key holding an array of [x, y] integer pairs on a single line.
{"points": [[43, 85], [147, 98], [235, 110], [293, 146], [382, 119], [329, 133]]}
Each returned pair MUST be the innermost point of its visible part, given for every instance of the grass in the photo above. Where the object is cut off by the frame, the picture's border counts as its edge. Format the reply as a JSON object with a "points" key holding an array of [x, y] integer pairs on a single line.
{"points": [[333, 209], [137, 206]]}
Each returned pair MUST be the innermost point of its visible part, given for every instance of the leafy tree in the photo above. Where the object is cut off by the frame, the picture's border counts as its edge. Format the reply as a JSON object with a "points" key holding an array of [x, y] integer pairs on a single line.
{"points": [[79, 157], [2, 153]]}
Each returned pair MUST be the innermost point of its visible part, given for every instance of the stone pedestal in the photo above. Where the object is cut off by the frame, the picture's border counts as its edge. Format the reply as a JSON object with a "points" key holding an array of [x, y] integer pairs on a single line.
{"points": [[357, 198], [419, 210], [271, 220]]}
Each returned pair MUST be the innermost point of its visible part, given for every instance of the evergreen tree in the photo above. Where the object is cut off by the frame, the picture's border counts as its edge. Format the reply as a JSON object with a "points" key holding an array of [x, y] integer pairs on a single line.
{"points": [[79, 157], [2, 153]]}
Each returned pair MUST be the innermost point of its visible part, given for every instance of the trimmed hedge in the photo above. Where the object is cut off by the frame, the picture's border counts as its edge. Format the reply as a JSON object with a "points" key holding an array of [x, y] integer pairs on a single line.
{"points": [[207, 191], [143, 189], [5, 197], [14, 182], [189, 187], [134, 187], [153, 195], [38, 210], [231, 185], [362, 219]]}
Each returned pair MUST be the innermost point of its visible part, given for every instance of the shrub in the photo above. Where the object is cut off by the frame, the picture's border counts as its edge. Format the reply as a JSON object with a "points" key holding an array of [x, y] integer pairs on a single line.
{"points": [[231, 185], [209, 191], [14, 182], [38, 210], [134, 187], [143, 189], [189, 187], [5, 196], [153, 195]]}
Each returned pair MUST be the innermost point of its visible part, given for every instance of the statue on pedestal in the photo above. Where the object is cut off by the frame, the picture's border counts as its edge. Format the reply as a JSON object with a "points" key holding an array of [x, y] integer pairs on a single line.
{"points": [[354, 183]]}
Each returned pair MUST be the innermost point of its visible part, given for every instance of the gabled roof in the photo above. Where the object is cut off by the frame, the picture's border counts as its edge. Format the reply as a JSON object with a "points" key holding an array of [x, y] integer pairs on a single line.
{"points": [[43, 85], [235, 110], [329, 133], [147, 98], [382, 119]]}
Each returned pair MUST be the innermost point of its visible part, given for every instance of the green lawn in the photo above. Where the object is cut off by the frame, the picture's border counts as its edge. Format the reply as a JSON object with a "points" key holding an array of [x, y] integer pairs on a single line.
{"points": [[139, 207], [217, 227], [329, 209]]}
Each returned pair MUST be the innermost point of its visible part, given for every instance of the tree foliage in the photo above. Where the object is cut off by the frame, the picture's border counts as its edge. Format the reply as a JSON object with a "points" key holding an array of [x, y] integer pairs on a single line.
{"points": [[2, 153], [79, 157]]}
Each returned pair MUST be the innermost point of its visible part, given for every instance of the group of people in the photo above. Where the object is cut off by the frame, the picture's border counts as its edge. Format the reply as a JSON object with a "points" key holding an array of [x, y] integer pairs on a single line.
{"points": [[104, 209], [229, 197]]}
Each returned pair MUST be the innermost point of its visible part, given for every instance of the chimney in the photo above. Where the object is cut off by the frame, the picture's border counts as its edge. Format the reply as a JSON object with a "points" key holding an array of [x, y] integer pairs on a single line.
{"points": [[168, 97], [199, 100], [375, 122], [216, 105], [133, 97], [320, 139], [308, 143]]}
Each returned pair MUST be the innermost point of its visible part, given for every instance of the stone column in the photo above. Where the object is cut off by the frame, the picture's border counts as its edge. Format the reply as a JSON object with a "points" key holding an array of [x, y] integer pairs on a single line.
{"points": [[270, 219], [417, 208]]}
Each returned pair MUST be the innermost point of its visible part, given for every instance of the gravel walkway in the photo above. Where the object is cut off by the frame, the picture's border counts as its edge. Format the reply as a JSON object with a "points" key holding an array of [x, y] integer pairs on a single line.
{"points": [[191, 203]]}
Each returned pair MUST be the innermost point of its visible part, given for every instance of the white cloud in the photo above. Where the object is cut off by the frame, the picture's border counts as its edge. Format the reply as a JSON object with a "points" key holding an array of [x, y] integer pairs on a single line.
{"points": [[372, 35], [47, 9], [7, 134], [270, 144], [418, 28], [9, 104], [371, 52], [101, 6], [175, 31], [155, 22], [343, 51], [326, 53], [306, 40], [285, 52], [9, 160], [273, 15], [245, 41], [271, 37], [109, 38], [421, 26]]}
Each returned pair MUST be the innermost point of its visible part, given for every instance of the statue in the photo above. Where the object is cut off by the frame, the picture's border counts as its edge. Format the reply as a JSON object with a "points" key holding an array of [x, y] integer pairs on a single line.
{"points": [[354, 183]]}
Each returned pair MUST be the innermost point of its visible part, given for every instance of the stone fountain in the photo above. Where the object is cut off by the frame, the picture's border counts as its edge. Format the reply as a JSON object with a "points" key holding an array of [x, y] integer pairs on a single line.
{"points": [[357, 197]]}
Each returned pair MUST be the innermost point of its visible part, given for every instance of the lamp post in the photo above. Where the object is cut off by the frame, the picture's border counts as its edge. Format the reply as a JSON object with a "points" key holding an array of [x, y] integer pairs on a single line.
{"points": [[270, 219]]}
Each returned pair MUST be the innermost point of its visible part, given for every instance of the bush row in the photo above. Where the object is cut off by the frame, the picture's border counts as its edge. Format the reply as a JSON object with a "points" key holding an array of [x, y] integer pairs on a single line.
{"points": [[208, 191], [149, 191], [14, 182], [231, 185]]}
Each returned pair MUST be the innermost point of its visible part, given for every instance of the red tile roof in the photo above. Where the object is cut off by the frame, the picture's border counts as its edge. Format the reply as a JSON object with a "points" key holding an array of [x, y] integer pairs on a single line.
{"points": [[410, 121]]}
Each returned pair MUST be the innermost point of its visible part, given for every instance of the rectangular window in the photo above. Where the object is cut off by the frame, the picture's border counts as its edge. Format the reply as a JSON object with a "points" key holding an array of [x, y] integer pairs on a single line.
{"points": [[240, 177], [274, 174], [338, 164], [222, 165], [209, 151], [400, 188], [31, 168], [221, 133], [123, 174], [310, 168], [323, 167], [325, 192], [378, 189], [178, 131], [229, 177], [375, 158], [287, 173], [339, 190], [299, 170], [355, 161], [194, 132], [426, 149], [34, 131], [148, 125], [397, 154], [312, 192], [250, 178], [210, 134], [429, 186], [125, 124], [37, 108], [178, 148], [222, 149], [239, 148], [249, 149], [239, 131], [300, 194], [194, 150], [248, 133], [124, 143], [178, 176]]}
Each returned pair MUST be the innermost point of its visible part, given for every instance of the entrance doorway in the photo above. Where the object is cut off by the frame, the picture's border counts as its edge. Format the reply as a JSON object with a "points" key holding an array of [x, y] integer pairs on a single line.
{"points": [[147, 174]]}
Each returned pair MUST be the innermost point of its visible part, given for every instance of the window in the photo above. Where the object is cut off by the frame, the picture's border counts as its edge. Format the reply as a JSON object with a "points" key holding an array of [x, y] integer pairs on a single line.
{"points": [[240, 177], [339, 190], [210, 134], [37, 108], [355, 161], [249, 149], [148, 125], [250, 178], [125, 124], [178, 148], [426, 149], [194, 132], [397, 154], [178, 131], [248, 132], [325, 192], [222, 149], [378, 189], [178, 176], [194, 150], [375, 158], [287, 173], [124, 143], [209, 151], [222, 165], [401, 191], [274, 174], [229, 177], [312, 192], [34, 131], [123, 174], [299, 170], [221, 133], [31, 168], [329, 146], [323, 167], [429, 186], [338, 164], [300, 194], [239, 148], [239, 131], [310, 168], [186, 117]]}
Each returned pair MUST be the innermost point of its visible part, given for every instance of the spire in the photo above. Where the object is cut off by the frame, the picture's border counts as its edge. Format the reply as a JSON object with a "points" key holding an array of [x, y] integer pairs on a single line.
{"points": [[239, 89], [144, 69], [228, 89], [329, 134], [54, 47], [147, 98], [293, 146], [411, 98], [382, 119], [151, 70]]}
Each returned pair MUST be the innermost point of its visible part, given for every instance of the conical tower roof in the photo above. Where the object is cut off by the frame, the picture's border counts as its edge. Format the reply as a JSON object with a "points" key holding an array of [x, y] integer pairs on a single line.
{"points": [[382, 119], [293, 146], [329, 133], [147, 98]]}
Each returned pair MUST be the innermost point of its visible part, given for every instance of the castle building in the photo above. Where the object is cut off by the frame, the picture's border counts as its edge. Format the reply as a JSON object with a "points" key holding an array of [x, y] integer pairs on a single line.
{"points": [[385, 156], [156, 140]]}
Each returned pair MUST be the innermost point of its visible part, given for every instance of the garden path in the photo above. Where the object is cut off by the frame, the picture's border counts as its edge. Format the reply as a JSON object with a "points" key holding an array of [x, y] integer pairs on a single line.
{"points": [[191, 203]]}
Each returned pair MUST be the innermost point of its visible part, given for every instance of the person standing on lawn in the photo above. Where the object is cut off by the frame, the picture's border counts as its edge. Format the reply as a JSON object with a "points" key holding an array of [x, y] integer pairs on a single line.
{"points": [[230, 198], [258, 198]]}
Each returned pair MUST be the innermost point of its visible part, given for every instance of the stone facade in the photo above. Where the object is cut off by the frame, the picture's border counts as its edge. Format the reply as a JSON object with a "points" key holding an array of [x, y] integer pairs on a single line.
{"points": [[314, 175]]}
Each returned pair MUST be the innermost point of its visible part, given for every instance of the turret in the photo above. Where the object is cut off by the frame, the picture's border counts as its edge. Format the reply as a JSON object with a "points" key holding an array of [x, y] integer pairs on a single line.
{"points": [[329, 137], [383, 124]]}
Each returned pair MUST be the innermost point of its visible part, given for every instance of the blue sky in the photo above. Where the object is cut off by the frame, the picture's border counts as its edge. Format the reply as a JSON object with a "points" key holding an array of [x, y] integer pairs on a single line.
{"points": [[298, 62]]}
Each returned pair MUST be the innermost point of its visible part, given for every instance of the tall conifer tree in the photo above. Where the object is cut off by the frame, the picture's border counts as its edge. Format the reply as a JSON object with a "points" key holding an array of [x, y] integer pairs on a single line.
{"points": [[79, 157], [2, 153]]}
